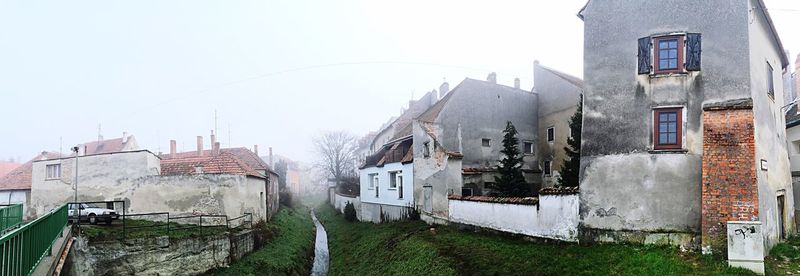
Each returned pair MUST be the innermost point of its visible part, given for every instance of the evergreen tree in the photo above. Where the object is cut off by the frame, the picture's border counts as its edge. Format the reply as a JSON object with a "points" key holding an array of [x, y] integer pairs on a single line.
{"points": [[570, 170], [511, 182]]}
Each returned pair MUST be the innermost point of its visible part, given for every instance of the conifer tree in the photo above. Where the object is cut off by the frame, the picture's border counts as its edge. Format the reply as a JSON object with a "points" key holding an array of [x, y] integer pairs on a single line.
{"points": [[511, 182], [570, 170]]}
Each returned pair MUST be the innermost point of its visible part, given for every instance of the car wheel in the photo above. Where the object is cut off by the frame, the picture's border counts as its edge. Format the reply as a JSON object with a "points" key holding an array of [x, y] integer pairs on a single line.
{"points": [[92, 219]]}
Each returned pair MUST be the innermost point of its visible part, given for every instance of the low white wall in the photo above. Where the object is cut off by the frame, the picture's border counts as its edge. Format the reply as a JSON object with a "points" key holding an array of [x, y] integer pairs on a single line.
{"points": [[555, 217], [340, 201]]}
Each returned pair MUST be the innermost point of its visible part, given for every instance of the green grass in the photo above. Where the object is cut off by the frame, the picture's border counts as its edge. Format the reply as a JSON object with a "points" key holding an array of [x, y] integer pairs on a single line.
{"points": [[289, 253], [411, 248], [102, 232], [784, 258]]}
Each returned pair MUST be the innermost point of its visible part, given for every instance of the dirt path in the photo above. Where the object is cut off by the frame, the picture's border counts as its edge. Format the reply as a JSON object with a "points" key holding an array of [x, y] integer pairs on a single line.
{"points": [[321, 255]]}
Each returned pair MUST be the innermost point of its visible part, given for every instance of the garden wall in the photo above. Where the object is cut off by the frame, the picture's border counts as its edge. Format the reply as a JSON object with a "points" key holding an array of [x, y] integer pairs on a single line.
{"points": [[341, 200], [553, 215]]}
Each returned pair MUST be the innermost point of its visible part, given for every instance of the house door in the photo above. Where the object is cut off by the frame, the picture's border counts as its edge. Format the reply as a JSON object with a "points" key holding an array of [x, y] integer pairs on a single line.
{"points": [[426, 199], [782, 215]]}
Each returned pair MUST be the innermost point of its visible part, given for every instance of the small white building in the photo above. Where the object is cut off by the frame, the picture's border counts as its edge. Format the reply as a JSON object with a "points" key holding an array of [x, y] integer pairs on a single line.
{"points": [[386, 180]]}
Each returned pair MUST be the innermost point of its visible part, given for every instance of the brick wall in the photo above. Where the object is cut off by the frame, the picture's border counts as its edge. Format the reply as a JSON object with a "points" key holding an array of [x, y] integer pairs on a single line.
{"points": [[730, 190]]}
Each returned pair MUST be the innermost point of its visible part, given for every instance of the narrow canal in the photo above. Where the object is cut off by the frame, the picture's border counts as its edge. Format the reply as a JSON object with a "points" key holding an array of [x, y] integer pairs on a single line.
{"points": [[321, 255]]}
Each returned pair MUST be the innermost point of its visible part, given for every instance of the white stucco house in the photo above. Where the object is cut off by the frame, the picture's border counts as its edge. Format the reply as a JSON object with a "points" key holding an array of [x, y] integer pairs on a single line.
{"points": [[386, 180]]}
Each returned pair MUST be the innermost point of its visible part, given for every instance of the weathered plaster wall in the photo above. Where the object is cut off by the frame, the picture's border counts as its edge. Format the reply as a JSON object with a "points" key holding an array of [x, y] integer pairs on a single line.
{"points": [[378, 213], [556, 216], [558, 100], [435, 176], [770, 131], [623, 185], [387, 195], [341, 200], [133, 177]]}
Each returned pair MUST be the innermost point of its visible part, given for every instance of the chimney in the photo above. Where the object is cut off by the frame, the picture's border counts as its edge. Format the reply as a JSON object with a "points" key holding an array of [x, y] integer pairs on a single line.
{"points": [[124, 137], [255, 149], [443, 89], [270, 157], [213, 138], [215, 149], [172, 148], [516, 83], [492, 77], [199, 145]]}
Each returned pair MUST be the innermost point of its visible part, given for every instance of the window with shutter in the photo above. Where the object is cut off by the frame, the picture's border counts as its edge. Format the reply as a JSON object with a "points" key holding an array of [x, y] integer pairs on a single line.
{"points": [[668, 54], [644, 55]]}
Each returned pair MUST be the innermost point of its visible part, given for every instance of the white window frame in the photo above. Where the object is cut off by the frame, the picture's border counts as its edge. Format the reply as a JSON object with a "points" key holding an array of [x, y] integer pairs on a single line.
{"points": [[547, 134], [56, 172], [373, 179], [488, 143], [393, 179], [525, 149], [400, 184]]}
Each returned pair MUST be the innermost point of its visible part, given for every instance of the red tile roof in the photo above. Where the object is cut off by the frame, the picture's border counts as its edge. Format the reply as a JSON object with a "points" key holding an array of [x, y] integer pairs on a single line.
{"points": [[559, 191], [243, 154], [105, 146], [224, 163], [493, 199], [7, 167], [20, 178]]}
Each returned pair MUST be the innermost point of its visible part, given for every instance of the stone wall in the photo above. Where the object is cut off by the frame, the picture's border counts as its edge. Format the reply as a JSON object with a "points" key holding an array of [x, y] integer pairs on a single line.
{"points": [[730, 190], [549, 216], [157, 256]]}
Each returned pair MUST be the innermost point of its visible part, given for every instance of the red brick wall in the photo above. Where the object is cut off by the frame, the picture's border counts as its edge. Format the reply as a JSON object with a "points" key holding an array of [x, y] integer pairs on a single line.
{"points": [[730, 190]]}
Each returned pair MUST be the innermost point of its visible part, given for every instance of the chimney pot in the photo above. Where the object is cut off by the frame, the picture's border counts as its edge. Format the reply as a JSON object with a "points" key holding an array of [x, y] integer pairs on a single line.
{"points": [[443, 89], [199, 145], [213, 138], [492, 77], [172, 148], [215, 149], [516, 83], [124, 137], [270, 157], [255, 149]]}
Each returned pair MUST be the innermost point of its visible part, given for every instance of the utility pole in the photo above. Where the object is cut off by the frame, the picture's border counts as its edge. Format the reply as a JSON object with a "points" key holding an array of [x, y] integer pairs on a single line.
{"points": [[77, 212]]}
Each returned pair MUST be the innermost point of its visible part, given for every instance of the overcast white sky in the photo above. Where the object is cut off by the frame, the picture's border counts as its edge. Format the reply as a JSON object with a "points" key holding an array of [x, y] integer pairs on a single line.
{"points": [[277, 72]]}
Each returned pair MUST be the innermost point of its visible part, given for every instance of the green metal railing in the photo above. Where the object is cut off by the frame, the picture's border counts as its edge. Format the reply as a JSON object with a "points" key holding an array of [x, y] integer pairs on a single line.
{"points": [[10, 217], [22, 249]]}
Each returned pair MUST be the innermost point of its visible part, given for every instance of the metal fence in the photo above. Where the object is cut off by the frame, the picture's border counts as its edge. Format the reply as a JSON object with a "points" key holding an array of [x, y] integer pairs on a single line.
{"points": [[10, 217], [23, 248], [168, 224]]}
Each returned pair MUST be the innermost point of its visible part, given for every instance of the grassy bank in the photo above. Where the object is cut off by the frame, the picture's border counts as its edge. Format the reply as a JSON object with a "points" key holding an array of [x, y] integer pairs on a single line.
{"points": [[784, 259], [290, 252], [144, 229], [411, 248]]}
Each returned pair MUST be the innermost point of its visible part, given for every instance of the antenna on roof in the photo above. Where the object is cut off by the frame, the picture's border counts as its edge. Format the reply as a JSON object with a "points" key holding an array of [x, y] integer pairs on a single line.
{"points": [[99, 133]]}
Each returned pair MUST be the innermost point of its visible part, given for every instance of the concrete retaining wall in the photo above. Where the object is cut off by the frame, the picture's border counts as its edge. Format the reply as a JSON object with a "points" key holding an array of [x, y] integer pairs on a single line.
{"points": [[554, 217], [379, 213]]}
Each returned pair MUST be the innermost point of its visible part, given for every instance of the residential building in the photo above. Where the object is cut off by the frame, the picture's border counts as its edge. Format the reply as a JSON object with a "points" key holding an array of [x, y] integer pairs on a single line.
{"points": [[558, 96], [457, 142], [15, 186], [386, 176], [674, 148], [793, 135]]}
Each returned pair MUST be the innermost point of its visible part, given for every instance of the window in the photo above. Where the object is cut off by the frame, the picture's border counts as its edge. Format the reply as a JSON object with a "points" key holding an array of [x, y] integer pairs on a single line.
{"points": [[770, 81], [669, 54], [426, 149], [400, 186], [373, 180], [547, 169], [551, 134], [668, 128], [393, 179], [485, 142], [53, 171], [527, 147], [466, 191]]}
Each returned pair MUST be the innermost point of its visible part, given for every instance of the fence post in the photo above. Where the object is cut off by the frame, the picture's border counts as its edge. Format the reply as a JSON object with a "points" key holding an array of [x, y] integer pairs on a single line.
{"points": [[168, 225]]}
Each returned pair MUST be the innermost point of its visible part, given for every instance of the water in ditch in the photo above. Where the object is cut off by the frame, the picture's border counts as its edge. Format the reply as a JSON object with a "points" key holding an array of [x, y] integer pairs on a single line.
{"points": [[321, 255]]}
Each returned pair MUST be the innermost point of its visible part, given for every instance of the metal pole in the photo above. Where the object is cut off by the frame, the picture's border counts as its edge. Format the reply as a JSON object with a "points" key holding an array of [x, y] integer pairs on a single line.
{"points": [[75, 149]]}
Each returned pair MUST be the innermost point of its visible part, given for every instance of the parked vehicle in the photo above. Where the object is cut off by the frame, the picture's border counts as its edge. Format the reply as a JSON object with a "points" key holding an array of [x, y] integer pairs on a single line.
{"points": [[91, 213]]}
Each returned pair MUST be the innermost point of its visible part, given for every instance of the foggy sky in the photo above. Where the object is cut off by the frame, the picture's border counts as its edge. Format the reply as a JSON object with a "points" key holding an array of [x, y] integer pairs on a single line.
{"points": [[276, 72]]}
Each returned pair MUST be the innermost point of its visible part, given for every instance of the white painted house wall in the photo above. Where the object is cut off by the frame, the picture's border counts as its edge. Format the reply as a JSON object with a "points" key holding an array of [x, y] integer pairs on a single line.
{"points": [[556, 216], [386, 195], [341, 200]]}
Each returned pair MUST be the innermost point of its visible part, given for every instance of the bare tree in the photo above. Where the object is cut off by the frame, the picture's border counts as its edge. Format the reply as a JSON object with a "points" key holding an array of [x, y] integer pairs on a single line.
{"points": [[336, 153]]}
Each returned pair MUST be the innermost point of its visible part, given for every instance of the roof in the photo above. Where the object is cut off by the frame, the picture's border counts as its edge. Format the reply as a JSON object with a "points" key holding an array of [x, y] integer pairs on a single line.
{"points": [[432, 113], [567, 77], [784, 58], [106, 146], [20, 178], [223, 163], [245, 155], [792, 117], [397, 151], [7, 167]]}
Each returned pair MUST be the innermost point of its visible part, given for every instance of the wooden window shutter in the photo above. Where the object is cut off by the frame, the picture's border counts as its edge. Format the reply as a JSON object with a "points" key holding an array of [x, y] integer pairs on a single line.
{"points": [[693, 52], [644, 55]]}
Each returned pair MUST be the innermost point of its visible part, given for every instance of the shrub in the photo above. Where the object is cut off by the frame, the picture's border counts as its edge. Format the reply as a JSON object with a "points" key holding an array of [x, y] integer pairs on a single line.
{"points": [[350, 212], [413, 214], [264, 233], [285, 198]]}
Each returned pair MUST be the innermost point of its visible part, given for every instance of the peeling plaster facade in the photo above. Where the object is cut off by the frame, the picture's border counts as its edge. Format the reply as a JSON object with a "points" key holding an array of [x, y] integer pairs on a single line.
{"points": [[627, 186], [134, 177], [453, 130]]}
